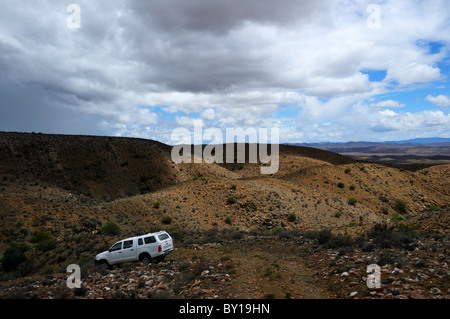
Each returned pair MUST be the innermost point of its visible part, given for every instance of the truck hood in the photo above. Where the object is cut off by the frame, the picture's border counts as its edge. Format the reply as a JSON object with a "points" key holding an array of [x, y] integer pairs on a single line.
{"points": [[102, 255]]}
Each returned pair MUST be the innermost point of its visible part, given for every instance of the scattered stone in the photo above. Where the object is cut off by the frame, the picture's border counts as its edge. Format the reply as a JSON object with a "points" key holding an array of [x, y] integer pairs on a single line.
{"points": [[435, 291]]}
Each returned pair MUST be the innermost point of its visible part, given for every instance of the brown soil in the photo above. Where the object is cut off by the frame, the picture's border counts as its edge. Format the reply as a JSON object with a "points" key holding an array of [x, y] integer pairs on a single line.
{"points": [[70, 186]]}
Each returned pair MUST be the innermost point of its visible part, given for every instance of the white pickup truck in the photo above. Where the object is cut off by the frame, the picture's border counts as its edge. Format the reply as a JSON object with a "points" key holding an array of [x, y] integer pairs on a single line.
{"points": [[145, 248]]}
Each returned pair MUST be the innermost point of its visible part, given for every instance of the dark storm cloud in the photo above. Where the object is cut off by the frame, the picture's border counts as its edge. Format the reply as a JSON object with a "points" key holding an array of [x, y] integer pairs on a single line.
{"points": [[219, 16], [131, 61]]}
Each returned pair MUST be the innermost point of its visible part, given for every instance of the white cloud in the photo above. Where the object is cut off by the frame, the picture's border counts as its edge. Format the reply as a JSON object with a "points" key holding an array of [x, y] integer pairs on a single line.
{"points": [[413, 73], [235, 64], [209, 114], [440, 100], [388, 103]]}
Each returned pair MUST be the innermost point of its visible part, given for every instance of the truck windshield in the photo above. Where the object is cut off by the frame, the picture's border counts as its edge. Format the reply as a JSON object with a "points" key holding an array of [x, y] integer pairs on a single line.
{"points": [[116, 246]]}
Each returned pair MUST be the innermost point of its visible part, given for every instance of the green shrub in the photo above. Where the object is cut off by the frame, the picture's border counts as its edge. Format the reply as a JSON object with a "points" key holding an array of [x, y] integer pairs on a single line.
{"points": [[43, 241], [111, 228], [352, 187], [382, 235], [434, 208], [46, 245], [396, 217], [156, 205], [166, 220], [408, 230], [228, 220], [338, 214], [352, 201], [13, 257], [231, 200], [340, 185], [347, 170], [291, 218], [326, 239], [233, 186], [400, 206], [394, 236], [40, 236]]}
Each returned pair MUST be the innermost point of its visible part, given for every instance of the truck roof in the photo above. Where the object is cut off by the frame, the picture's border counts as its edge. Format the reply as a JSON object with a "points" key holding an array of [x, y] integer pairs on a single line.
{"points": [[148, 234]]}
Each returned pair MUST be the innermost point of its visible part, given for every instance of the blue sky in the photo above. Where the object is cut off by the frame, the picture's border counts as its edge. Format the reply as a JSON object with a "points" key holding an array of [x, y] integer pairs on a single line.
{"points": [[317, 70]]}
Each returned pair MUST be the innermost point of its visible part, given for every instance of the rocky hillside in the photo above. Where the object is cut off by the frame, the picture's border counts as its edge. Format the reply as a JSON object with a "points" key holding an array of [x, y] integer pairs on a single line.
{"points": [[58, 192], [102, 168]]}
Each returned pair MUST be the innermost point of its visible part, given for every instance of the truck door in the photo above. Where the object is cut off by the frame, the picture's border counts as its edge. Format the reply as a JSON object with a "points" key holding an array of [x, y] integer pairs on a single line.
{"points": [[129, 250], [115, 253], [151, 246]]}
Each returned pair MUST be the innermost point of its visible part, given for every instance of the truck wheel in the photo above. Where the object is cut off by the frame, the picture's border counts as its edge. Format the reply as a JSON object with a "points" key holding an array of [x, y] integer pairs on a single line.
{"points": [[104, 264], [146, 259]]}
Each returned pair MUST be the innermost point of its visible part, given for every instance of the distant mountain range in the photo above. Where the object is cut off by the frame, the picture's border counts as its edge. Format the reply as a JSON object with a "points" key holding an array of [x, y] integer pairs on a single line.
{"points": [[415, 141], [435, 149]]}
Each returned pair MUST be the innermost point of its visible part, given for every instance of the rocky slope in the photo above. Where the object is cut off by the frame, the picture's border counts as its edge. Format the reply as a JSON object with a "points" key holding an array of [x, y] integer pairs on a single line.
{"points": [[69, 187]]}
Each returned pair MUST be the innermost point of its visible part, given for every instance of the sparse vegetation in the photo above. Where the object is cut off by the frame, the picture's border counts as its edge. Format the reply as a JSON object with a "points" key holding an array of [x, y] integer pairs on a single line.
{"points": [[396, 217], [111, 228], [166, 220], [292, 217], [228, 220], [231, 200], [43, 241], [13, 257], [326, 239], [434, 208], [400, 207], [347, 170], [217, 226], [40, 236]]}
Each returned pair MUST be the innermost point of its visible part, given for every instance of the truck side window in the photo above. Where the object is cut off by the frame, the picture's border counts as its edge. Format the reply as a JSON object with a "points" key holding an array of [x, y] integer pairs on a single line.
{"points": [[127, 244], [116, 246], [149, 240], [140, 242]]}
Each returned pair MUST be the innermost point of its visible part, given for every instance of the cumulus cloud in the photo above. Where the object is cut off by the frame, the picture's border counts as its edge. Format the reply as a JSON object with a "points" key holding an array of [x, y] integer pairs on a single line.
{"points": [[388, 103], [209, 114], [142, 68], [440, 100]]}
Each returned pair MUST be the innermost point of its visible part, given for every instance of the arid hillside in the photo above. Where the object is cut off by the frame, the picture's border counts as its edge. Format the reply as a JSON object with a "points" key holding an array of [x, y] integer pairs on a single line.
{"points": [[70, 187], [103, 168]]}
